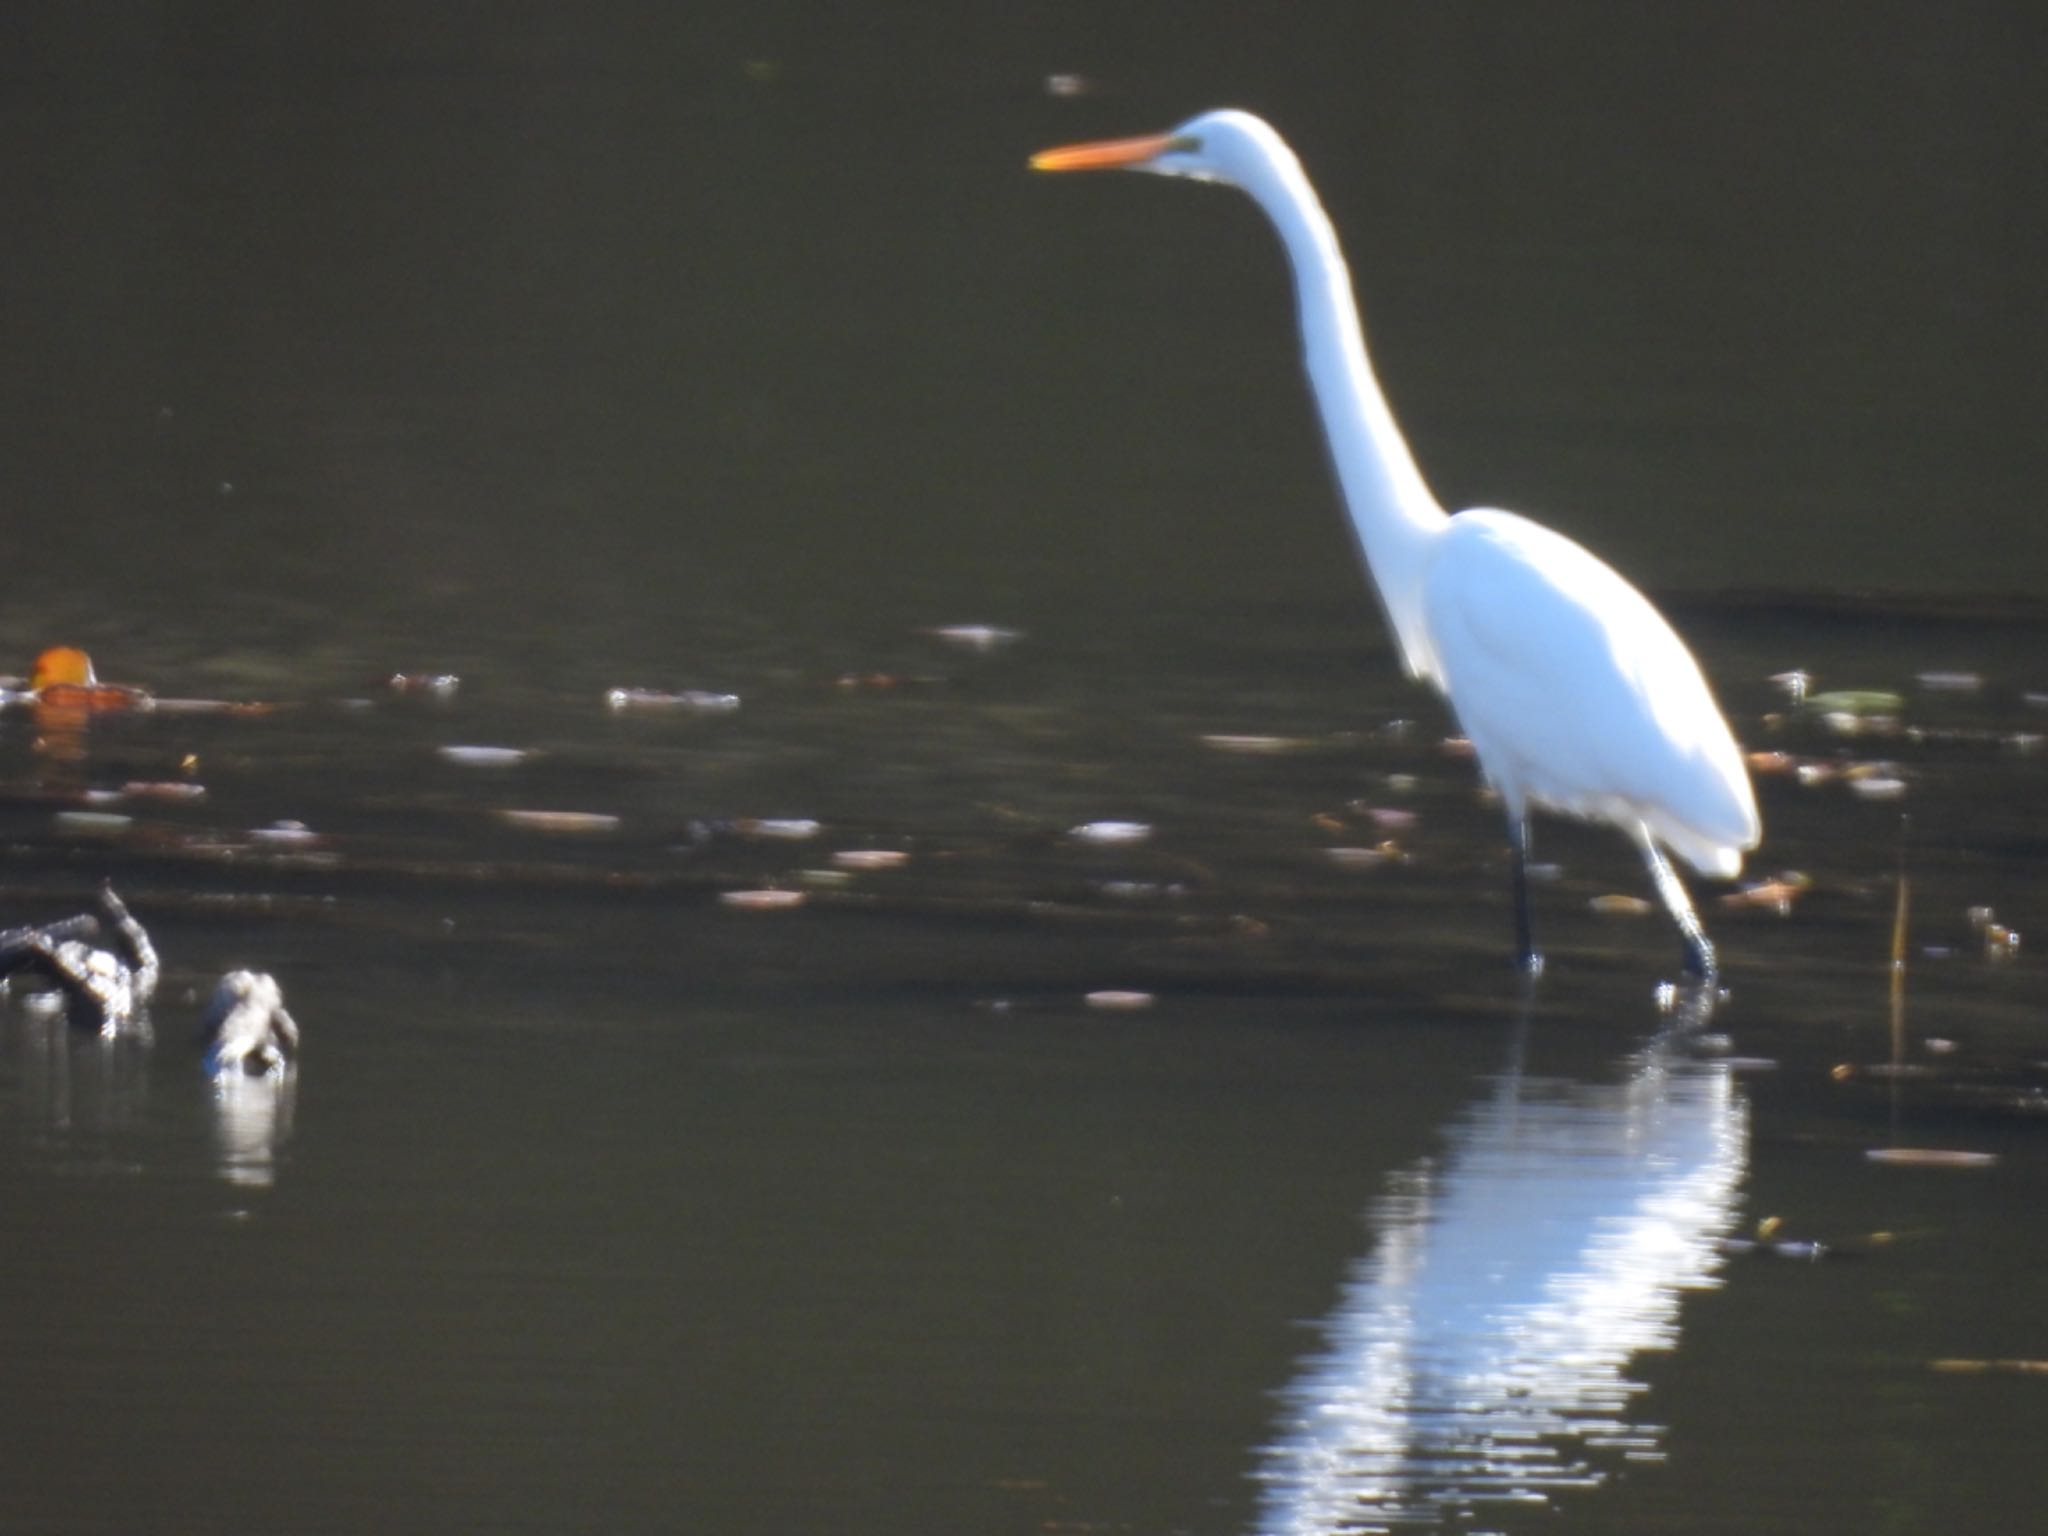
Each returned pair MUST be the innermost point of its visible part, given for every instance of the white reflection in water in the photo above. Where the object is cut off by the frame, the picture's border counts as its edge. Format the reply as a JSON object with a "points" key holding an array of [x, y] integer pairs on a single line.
{"points": [[78, 1090], [252, 1120], [1479, 1354]]}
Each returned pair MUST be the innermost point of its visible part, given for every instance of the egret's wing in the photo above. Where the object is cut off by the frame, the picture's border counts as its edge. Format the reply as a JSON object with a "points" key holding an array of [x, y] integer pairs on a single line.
{"points": [[1575, 691]]}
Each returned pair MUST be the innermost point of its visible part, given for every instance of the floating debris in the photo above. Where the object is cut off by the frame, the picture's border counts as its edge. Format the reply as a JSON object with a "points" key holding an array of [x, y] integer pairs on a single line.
{"points": [[1930, 1157], [172, 791], [1991, 1367], [93, 823], [694, 701], [1794, 684], [247, 1026], [103, 990], [1857, 701], [63, 683], [1876, 786], [1138, 890], [212, 707], [1366, 858], [1116, 1000], [1069, 85], [286, 834], [1621, 906], [778, 829], [1253, 746], [484, 757], [768, 900], [974, 637], [565, 823], [1767, 1243], [1856, 711], [1949, 682], [2000, 942], [1773, 895], [1386, 817], [870, 858], [1772, 762], [1110, 833], [432, 685]]}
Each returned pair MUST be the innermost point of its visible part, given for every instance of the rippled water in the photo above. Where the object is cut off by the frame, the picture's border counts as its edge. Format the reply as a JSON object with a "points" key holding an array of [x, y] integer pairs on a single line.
{"points": [[597, 1197], [1483, 1352]]}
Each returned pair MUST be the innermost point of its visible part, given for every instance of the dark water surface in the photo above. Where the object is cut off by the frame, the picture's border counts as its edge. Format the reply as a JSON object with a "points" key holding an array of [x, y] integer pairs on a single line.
{"points": [[575, 349]]}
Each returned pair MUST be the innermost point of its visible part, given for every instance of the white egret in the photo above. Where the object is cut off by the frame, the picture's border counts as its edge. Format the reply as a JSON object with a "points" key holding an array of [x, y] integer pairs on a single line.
{"points": [[1575, 693]]}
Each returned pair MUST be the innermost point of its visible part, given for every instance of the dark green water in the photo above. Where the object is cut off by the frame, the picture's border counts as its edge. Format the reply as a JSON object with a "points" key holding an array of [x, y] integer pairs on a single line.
{"points": [[575, 349]]}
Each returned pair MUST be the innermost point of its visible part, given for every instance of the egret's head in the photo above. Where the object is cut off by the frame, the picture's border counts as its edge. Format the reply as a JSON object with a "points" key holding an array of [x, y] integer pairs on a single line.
{"points": [[1226, 145]]}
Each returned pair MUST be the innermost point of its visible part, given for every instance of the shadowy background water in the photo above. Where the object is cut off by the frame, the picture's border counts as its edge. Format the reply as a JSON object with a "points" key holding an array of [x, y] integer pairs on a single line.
{"points": [[731, 348]]}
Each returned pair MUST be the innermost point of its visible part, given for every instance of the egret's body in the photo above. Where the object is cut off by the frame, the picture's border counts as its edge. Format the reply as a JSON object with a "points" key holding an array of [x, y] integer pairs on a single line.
{"points": [[1576, 694]]}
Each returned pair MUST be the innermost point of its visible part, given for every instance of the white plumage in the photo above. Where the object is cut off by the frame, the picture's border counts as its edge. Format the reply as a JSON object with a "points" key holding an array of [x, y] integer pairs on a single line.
{"points": [[1576, 693]]}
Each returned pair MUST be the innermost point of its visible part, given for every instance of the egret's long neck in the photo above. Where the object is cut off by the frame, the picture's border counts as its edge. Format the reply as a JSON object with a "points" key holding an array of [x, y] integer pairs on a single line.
{"points": [[1392, 510]]}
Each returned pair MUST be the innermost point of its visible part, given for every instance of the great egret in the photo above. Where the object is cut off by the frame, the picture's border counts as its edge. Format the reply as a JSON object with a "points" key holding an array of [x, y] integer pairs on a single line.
{"points": [[1574, 691]]}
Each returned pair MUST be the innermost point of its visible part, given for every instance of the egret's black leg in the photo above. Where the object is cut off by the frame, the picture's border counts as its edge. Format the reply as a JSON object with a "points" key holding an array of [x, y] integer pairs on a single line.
{"points": [[1699, 949], [1525, 945]]}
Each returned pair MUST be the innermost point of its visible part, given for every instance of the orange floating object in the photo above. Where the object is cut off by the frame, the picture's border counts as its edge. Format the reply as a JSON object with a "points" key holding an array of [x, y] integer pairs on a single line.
{"points": [[63, 681], [62, 664]]}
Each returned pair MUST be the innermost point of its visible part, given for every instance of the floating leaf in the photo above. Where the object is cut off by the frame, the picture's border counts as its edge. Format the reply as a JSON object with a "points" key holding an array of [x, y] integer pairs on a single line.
{"points": [[974, 637], [94, 823], [571, 823], [762, 900], [1930, 1157], [484, 757], [780, 829], [1621, 906], [870, 858], [1116, 1000], [1110, 833], [1254, 746]]}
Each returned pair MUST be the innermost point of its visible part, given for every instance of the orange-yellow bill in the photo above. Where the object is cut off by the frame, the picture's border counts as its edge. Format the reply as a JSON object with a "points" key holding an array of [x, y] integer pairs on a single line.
{"points": [[1102, 154]]}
